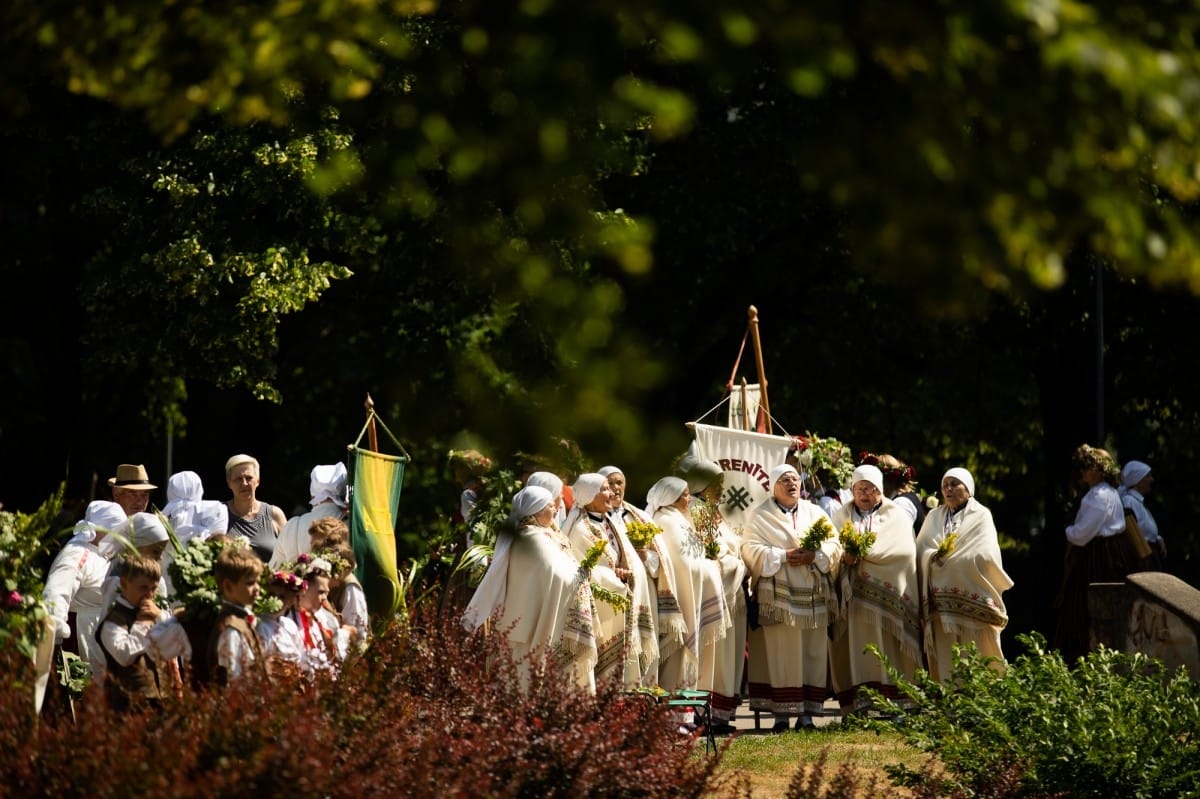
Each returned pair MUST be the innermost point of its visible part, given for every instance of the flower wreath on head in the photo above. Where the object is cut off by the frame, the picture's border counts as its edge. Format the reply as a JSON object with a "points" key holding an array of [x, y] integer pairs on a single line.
{"points": [[309, 565], [901, 475], [473, 461], [1091, 457], [289, 581]]}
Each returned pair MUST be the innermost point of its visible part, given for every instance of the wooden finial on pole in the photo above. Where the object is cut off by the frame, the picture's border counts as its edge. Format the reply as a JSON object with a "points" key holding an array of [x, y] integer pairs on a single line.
{"points": [[372, 437], [762, 374]]}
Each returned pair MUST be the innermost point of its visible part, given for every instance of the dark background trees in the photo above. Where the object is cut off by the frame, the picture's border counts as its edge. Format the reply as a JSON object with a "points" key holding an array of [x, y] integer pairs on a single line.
{"points": [[524, 223]]}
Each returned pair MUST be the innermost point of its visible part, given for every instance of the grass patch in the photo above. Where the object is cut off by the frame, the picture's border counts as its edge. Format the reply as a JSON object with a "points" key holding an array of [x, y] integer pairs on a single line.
{"points": [[770, 762]]}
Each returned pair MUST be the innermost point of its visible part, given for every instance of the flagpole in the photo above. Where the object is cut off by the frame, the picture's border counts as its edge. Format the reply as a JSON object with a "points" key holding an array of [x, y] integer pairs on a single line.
{"points": [[762, 374], [372, 437]]}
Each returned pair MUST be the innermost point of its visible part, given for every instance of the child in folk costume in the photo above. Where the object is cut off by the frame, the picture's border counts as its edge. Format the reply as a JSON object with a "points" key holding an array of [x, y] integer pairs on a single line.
{"points": [[234, 649], [325, 642], [346, 596], [136, 674], [282, 641]]}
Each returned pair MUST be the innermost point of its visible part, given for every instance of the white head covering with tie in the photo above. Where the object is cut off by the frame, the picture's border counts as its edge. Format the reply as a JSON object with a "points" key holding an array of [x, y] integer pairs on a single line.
{"points": [[328, 482], [666, 491]]}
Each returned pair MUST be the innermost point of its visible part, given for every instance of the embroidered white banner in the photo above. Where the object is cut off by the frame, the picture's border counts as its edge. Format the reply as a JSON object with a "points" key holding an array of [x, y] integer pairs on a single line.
{"points": [[747, 460]]}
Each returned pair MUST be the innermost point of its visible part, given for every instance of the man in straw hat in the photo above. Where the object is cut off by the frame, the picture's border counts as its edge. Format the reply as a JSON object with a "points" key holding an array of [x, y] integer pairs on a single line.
{"points": [[131, 488]]}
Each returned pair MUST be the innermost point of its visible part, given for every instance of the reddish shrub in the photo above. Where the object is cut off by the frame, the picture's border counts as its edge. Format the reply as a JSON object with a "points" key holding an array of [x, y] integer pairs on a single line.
{"points": [[426, 711]]}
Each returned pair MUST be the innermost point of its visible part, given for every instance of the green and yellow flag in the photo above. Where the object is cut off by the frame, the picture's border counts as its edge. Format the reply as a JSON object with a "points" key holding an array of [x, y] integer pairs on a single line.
{"points": [[374, 499]]}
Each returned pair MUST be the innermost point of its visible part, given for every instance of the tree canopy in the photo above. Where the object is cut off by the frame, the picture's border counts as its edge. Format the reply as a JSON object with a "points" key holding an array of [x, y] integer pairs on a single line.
{"points": [[538, 218]]}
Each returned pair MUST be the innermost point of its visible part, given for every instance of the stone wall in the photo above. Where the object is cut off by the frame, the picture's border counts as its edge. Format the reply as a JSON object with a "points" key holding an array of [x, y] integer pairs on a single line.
{"points": [[1154, 613]]}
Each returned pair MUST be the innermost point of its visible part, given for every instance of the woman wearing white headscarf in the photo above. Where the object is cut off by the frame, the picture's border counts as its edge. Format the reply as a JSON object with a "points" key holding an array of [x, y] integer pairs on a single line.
{"points": [[961, 591], [704, 479], [625, 638], [879, 594], [184, 492], [75, 583], [1136, 482], [698, 587], [536, 593], [554, 484], [668, 620], [789, 651], [327, 497]]}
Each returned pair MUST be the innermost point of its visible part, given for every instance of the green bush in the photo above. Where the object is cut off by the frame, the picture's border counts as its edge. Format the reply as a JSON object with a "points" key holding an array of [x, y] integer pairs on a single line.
{"points": [[1113, 725]]}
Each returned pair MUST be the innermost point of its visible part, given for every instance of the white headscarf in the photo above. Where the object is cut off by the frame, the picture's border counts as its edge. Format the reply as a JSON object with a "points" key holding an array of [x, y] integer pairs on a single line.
{"points": [[100, 517], [1133, 473], [147, 529], [780, 470], [870, 474], [528, 501], [492, 592], [963, 476], [663, 493], [609, 470], [184, 490], [587, 486], [328, 481], [547, 480], [211, 517]]}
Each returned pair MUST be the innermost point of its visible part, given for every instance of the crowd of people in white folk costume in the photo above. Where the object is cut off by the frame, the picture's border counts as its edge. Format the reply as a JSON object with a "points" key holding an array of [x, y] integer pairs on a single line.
{"points": [[671, 596]]}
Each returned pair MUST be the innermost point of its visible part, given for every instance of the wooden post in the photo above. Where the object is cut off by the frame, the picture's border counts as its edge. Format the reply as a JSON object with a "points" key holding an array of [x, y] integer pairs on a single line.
{"points": [[762, 374], [745, 406], [372, 437]]}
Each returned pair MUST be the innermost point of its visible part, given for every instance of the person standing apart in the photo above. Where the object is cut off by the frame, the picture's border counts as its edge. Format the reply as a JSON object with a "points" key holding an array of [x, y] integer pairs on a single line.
{"points": [[878, 594], [789, 651], [962, 577], [1097, 549], [1136, 482], [249, 517]]}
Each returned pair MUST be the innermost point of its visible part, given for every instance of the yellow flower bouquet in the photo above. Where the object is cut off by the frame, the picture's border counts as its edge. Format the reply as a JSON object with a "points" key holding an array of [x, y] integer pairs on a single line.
{"points": [[641, 533], [946, 546], [856, 542], [819, 533]]}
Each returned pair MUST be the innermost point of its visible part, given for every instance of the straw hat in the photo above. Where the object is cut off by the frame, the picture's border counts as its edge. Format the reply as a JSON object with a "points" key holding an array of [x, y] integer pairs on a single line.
{"points": [[133, 476]]}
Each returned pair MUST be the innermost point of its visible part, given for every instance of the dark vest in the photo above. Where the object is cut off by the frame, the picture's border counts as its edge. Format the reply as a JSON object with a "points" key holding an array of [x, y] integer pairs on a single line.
{"points": [[233, 619], [143, 680]]}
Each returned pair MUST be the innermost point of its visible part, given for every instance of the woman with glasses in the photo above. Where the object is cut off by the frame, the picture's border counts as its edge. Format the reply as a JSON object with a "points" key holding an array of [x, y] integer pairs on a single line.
{"points": [[962, 577], [878, 594]]}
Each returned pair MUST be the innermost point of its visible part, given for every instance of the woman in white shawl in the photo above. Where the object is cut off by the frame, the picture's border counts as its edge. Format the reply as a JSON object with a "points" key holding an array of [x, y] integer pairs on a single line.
{"points": [[666, 617], [705, 482], [536, 593], [698, 587], [879, 594], [961, 588], [789, 651], [626, 638]]}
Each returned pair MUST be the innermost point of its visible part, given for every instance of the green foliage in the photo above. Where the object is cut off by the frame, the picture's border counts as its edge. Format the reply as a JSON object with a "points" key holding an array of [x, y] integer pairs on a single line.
{"points": [[1114, 725], [196, 588], [24, 538], [74, 674]]}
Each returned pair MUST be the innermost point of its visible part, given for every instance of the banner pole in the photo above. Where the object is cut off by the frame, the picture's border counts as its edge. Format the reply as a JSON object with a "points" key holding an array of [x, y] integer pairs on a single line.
{"points": [[762, 374]]}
